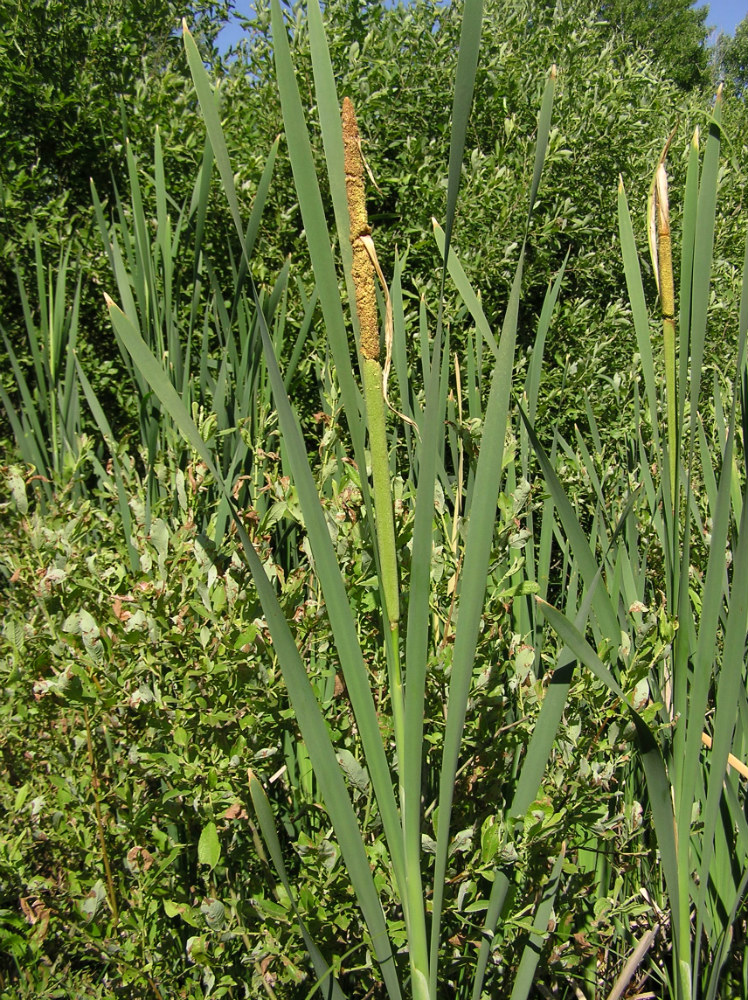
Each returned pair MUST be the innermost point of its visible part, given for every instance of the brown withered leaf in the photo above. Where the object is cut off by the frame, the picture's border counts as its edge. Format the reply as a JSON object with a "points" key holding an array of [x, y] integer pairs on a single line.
{"points": [[139, 859], [235, 811]]}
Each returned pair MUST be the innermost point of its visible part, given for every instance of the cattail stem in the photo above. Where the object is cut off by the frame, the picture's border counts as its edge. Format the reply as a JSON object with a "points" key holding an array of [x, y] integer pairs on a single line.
{"points": [[372, 375]]}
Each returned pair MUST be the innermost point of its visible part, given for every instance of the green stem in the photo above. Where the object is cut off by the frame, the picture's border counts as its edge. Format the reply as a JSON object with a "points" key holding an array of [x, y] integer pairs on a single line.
{"points": [[100, 821], [380, 468], [412, 896]]}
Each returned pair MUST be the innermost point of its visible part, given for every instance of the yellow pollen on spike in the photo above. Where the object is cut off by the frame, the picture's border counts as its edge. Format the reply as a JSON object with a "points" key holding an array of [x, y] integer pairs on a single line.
{"points": [[362, 269]]}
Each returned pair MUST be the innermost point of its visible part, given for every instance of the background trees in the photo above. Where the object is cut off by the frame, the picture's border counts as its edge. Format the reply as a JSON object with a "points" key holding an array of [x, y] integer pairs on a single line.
{"points": [[72, 75], [732, 58], [672, 31], [77, 77]]}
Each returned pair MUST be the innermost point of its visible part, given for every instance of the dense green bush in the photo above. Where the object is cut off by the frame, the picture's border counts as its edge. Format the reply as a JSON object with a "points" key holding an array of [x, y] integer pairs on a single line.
{"points": [[135, 701]]}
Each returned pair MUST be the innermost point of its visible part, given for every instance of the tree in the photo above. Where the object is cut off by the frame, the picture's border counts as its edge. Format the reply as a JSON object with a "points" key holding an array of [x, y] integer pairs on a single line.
{"points": [[68, 68], [733, 58], [671, 31], [74, 76]]}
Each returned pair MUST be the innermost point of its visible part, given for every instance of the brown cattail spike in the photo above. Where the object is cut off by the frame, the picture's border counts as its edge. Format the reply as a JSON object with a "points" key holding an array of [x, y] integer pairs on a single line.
{"points": [[667, 290], [363, 269]]}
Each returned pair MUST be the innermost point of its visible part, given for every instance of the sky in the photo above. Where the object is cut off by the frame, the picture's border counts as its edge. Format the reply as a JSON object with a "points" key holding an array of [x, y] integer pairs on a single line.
{"points": [[724, 15], [231, 34]]}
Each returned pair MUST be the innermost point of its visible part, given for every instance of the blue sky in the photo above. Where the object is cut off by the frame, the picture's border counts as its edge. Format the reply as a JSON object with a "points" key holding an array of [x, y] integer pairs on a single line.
{"points": [[232, 32], [724, 15]]}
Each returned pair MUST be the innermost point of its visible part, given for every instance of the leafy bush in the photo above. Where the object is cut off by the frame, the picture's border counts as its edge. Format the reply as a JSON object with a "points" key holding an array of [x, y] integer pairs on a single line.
{"points": [[134, 702]]}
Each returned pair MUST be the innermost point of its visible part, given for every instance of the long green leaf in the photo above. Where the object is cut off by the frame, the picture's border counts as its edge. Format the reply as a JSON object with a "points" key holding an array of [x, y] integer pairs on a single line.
{"points": [[328, 985], [654, 768], [690, 202], [463, 286], [315, 228], [103, 424], [209, 109], [584, 557], [326, 767], [467, 65], [482, 515], [639, 311], [338, 608], [158, 380], [332, 138], [730, 680], [703, 253], [531, 953], [473, 586], [534, 765]]}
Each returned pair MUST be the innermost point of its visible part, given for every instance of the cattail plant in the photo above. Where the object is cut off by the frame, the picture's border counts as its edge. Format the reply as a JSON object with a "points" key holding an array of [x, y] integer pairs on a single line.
{"points": [[401, 812], [701, 869], [698, 684], [47, 423]]}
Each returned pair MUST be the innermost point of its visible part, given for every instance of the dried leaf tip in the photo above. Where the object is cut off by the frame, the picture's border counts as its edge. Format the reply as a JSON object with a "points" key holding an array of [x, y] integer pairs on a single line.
{"points": [[554, 71], [696, 135], [663, 208], [719, 93], [620, 183]]}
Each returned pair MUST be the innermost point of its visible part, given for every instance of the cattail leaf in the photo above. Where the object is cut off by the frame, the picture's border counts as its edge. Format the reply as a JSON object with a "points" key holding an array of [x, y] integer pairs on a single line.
{"points": [[315, 229], [703, 250], [103, 424], [532, 951], [209, 109], [585, 560], [328, 986], [341, 619], [654, 768], [638, 309], [467, 65], [462, 283]]}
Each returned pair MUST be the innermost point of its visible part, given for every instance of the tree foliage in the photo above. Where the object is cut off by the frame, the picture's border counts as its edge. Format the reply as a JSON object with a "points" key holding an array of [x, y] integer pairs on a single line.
{"points": [[732, 55], [73, 74], [673, 32]]}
